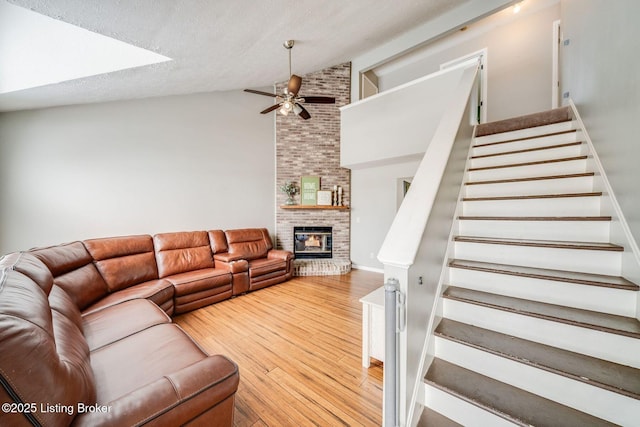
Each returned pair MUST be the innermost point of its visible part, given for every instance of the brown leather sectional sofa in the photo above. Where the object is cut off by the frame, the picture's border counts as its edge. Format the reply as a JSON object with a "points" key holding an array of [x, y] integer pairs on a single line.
{"points": [[86, 336]]}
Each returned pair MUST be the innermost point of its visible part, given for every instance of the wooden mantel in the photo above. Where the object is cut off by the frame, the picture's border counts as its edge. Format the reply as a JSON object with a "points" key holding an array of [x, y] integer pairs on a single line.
{"points": [[343, 208]]}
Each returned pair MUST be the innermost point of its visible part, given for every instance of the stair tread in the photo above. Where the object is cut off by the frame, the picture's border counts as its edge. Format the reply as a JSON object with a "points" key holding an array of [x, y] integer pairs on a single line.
{"points": [[543, 118], [559, 244], [528, 150], [504, 400], [603, 322], [535, 218], [431, 418], [533, 178], [596, 372], [538, 162], [544, 273], [533, 196], [525, 138]]}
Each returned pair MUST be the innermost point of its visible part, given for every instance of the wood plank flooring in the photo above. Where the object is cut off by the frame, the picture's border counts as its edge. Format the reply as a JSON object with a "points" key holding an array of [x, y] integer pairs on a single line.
{"points": [[298, 348]]}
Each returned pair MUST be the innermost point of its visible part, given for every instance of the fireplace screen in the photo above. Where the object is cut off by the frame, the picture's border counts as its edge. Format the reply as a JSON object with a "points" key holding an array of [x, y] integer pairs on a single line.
{"points": [[312, 242]]}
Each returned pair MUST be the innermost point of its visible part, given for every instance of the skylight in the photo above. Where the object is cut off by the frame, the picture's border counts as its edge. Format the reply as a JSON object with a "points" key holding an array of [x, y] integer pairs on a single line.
{"points": [[36, 50]]}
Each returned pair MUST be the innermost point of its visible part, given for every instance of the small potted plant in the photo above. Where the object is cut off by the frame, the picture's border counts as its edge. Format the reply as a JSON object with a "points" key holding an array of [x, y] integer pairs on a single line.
{"points": [[289, 188]]}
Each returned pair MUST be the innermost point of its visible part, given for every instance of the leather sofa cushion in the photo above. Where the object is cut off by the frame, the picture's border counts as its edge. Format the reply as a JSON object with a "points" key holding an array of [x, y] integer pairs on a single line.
{"points": [[199, 280], [218, 241], [124, 261], [260, 267], [44, 357], [158, 291], [63, 258], [205, 387], [73, 270], [30, 266], [118, 321], [182, 252], [141, 359], [248, 243]]}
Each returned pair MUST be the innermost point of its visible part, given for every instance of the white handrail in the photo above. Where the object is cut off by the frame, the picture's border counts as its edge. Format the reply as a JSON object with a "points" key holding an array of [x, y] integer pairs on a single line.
{"points": [[403, 238]]}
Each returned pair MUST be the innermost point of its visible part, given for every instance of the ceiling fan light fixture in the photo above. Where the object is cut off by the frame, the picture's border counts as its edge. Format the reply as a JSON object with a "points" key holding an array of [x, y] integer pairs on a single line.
{"points": [[290, 100], [287, 107]]}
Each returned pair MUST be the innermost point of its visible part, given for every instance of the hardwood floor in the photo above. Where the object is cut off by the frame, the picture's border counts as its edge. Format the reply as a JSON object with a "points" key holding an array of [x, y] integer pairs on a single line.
{"points": [[298, 348]]}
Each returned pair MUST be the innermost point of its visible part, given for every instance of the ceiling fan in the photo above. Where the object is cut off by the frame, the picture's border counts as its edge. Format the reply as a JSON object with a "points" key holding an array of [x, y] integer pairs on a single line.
{"points": [[290, 101]]}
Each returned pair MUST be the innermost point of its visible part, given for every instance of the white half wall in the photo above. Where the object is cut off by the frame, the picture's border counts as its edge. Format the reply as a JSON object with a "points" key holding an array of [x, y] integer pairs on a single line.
{"points": [[179, 163], [395, 126], [599, 69]]}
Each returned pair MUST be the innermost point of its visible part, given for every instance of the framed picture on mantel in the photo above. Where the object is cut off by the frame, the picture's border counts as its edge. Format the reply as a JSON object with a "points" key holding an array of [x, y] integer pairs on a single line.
{"points": [[309, 186], [324, 197]]}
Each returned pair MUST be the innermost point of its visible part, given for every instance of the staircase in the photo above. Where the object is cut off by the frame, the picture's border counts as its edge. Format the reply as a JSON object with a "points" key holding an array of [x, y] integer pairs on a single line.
{"points": [[538, 328]]}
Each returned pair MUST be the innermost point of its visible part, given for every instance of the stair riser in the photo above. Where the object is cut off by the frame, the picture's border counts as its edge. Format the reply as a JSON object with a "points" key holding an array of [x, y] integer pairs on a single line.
{"points": [[529, 188], [576, 231], [607, 346], [565, 206], [523, 144], [596, 401], [557, 168], [460, 411], [587, 261], [587, 297], [529, 156], [526, 133]]}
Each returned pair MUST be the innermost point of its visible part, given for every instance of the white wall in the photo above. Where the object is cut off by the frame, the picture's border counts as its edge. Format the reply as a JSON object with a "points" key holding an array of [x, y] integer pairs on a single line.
{"points": [[464, 14], [519, 58], [600, 68], [177, 163], [373, 207]]}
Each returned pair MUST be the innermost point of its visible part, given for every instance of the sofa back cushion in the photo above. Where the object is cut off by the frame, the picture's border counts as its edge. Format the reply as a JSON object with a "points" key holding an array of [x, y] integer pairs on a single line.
{"points": [[44, 357], [218, 241], [72, 268], [183, 251], [31, 267], [248, 243], [124, 261]]}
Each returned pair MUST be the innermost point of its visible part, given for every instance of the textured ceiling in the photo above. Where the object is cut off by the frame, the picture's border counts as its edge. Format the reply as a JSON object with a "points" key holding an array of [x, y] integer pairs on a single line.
{"points": [[219, 45]]}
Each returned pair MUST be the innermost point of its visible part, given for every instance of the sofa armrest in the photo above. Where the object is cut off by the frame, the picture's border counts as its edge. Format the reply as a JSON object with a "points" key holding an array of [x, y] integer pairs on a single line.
{"points": [[226, 257], [279, 254], [174, 399], [233, 267]]}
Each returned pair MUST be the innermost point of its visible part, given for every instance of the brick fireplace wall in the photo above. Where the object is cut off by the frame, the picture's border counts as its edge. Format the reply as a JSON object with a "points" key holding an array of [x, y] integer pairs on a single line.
{"points": [[312, 147]]}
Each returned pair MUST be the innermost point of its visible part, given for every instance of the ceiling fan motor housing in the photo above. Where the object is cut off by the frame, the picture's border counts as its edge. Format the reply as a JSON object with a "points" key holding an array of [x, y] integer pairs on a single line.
{"points": [[291, 101]]}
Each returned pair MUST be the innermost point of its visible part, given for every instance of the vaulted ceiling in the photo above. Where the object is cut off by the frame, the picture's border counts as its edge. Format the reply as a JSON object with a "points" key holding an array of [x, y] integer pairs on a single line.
{"points": [[219, 45]]}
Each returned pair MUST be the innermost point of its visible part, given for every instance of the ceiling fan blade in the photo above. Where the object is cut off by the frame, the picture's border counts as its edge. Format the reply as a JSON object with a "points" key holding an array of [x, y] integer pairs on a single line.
{"points": [[303, 112], [260, 92], [318, 99], [270, 109], [294, 84]]}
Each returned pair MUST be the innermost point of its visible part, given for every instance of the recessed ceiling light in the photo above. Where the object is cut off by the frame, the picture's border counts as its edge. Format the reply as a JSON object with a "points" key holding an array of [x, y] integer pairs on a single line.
{"points": [[36, 50]]}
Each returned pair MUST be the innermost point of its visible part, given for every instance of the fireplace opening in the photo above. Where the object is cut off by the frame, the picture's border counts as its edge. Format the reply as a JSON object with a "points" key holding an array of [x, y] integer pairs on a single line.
{"points": [[312, 242]]}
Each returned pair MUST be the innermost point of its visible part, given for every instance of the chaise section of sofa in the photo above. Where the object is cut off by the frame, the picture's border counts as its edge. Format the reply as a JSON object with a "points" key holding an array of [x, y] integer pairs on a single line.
{"points": [[121, 364], [185, 260]]}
